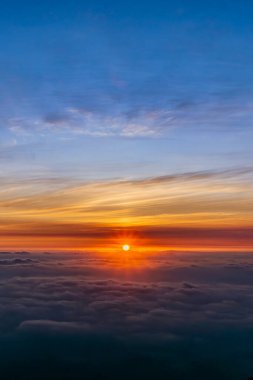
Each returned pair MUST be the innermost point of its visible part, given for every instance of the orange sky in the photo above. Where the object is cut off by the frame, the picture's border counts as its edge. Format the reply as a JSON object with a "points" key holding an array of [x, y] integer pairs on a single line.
{"points": [[195, 210]]}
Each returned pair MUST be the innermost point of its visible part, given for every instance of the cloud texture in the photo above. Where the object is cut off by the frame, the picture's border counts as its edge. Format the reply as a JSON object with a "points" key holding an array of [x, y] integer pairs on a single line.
{"points": [[169, 316]]}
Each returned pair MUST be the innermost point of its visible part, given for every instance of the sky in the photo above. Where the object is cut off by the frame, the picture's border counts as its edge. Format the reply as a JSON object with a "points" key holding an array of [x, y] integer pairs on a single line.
{"points": [[126, 123], [125, 115], [120, 115]]}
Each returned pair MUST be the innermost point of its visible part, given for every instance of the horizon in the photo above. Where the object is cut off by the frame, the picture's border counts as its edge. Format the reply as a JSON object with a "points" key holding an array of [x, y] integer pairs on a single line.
{"points": [[126, 197]]}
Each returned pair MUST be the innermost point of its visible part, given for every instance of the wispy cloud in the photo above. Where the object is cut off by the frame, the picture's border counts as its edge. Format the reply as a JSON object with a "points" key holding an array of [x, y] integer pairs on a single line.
{"points": [[75, 121], [209, 200], [145, 122]]}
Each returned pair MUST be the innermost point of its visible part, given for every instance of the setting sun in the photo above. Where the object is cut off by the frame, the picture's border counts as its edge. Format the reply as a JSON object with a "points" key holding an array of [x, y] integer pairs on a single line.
{"points": [[126, 247]]}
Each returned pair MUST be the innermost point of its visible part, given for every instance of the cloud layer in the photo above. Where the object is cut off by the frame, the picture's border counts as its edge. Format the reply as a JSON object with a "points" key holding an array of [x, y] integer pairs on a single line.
{"points": [[171, 315]]}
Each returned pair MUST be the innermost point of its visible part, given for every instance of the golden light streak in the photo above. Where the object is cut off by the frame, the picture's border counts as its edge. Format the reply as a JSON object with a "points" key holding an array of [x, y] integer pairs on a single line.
{"points": [[74, 216]]}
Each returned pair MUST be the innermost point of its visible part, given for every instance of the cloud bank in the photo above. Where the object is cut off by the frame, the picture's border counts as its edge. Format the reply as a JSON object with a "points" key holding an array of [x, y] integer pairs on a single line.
{"points": [[170, 316]]}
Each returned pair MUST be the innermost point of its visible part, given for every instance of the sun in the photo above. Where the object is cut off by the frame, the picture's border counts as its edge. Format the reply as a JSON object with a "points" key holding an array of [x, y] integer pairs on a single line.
{"points": [[126, 247]]}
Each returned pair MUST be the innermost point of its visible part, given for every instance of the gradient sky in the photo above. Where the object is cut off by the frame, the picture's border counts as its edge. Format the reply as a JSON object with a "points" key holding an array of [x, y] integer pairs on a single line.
{"points": [[123, 116], [126, 122]]}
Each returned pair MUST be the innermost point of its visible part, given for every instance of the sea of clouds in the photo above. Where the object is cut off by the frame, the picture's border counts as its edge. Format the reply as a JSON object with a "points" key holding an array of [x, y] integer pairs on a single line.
{"points": [[166, 316]]}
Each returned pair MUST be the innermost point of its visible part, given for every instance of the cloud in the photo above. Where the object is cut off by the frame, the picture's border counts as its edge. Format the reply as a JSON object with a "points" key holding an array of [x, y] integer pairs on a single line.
{"points": [[16, 261], [135, 123], [52, 326], [74, 121], [74, 295], [170, 317], [216, 204]]}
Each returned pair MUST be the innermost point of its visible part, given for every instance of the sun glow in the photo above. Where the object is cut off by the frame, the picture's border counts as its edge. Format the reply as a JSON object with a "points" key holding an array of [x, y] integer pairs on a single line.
{"points": [[126, 247]]}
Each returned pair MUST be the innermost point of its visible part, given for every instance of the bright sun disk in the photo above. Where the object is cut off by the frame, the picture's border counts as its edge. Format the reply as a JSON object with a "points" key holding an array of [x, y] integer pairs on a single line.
{"points": [[126, 247]]}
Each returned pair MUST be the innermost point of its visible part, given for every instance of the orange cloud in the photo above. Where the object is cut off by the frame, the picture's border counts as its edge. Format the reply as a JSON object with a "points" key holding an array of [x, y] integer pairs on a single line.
{"points": [[190, 210]]}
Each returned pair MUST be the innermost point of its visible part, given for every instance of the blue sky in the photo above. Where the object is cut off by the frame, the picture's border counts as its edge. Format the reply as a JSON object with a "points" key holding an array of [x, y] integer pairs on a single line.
{"points": [[126, 122], [109, 89]]}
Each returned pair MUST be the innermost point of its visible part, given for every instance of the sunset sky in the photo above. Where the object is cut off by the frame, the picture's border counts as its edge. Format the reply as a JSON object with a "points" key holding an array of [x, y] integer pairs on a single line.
{"points": [[126, 190], [121, 116]]}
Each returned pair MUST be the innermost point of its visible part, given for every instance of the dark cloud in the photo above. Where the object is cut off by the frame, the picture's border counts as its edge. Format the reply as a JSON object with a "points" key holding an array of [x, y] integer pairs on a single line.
{"points": [[16, 261], [92, 318], [198, 175]]}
